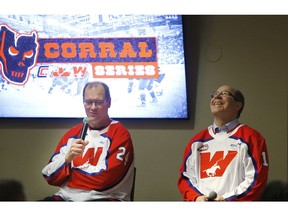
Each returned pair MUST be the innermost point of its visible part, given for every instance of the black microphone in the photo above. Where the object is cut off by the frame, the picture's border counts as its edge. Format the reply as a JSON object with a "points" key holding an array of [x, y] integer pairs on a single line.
{"points": [[212, 196], [86, 121]]}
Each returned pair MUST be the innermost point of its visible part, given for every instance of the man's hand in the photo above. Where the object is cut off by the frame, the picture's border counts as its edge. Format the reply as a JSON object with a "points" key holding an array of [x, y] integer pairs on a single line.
{"points": [[204, 198], [201, 198], [76, 149], [219, 198]]}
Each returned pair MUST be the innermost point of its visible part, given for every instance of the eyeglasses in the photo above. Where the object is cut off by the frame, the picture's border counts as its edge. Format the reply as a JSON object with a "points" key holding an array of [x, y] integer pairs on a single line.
{"points": [[223, 94], [97, 103]]}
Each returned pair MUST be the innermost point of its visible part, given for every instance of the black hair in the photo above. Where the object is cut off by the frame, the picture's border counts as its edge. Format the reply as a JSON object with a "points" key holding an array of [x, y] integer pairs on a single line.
{"points": [[275, 191], [11, 190], [239, 97]]}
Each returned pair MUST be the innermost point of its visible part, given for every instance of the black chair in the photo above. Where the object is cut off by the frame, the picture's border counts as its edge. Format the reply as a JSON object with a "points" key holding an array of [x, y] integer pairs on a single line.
{"points": [[133, 186]]}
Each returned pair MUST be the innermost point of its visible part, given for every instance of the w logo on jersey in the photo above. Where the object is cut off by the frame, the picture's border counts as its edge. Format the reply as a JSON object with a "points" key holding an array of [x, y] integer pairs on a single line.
{"points": [[91, 157], [18, 54], [217, 165]]}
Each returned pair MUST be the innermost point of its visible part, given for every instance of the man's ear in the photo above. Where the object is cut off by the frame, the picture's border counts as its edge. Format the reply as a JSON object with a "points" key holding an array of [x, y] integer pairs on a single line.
{"points": [[109, 103], [239, 105]]}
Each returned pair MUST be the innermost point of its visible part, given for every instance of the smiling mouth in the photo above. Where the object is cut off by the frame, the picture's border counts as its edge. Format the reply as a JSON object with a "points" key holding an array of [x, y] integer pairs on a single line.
{"points": [[216, 103]]}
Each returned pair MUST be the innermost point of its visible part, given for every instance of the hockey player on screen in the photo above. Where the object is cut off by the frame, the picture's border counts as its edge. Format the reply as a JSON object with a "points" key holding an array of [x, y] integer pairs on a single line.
{"points": [[144, 85], [158, 83]]}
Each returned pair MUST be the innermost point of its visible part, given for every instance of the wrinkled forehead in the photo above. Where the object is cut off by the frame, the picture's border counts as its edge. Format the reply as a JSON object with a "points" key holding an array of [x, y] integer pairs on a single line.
{"points": [[226, 88]]}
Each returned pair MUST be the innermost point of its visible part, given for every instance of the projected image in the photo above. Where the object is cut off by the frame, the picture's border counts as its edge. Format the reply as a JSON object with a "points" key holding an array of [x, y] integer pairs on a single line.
{"points": [[45, 61]]}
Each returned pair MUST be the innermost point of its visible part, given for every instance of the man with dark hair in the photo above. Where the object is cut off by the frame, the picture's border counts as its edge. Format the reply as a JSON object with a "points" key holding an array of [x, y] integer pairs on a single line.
{"points": [[227, 161], [275, 190], [11, 190]]}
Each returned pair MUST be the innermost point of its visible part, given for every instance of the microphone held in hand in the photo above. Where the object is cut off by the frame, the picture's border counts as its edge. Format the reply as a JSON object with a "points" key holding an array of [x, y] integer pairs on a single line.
{"points": [[212, 196], [86, 121]]}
